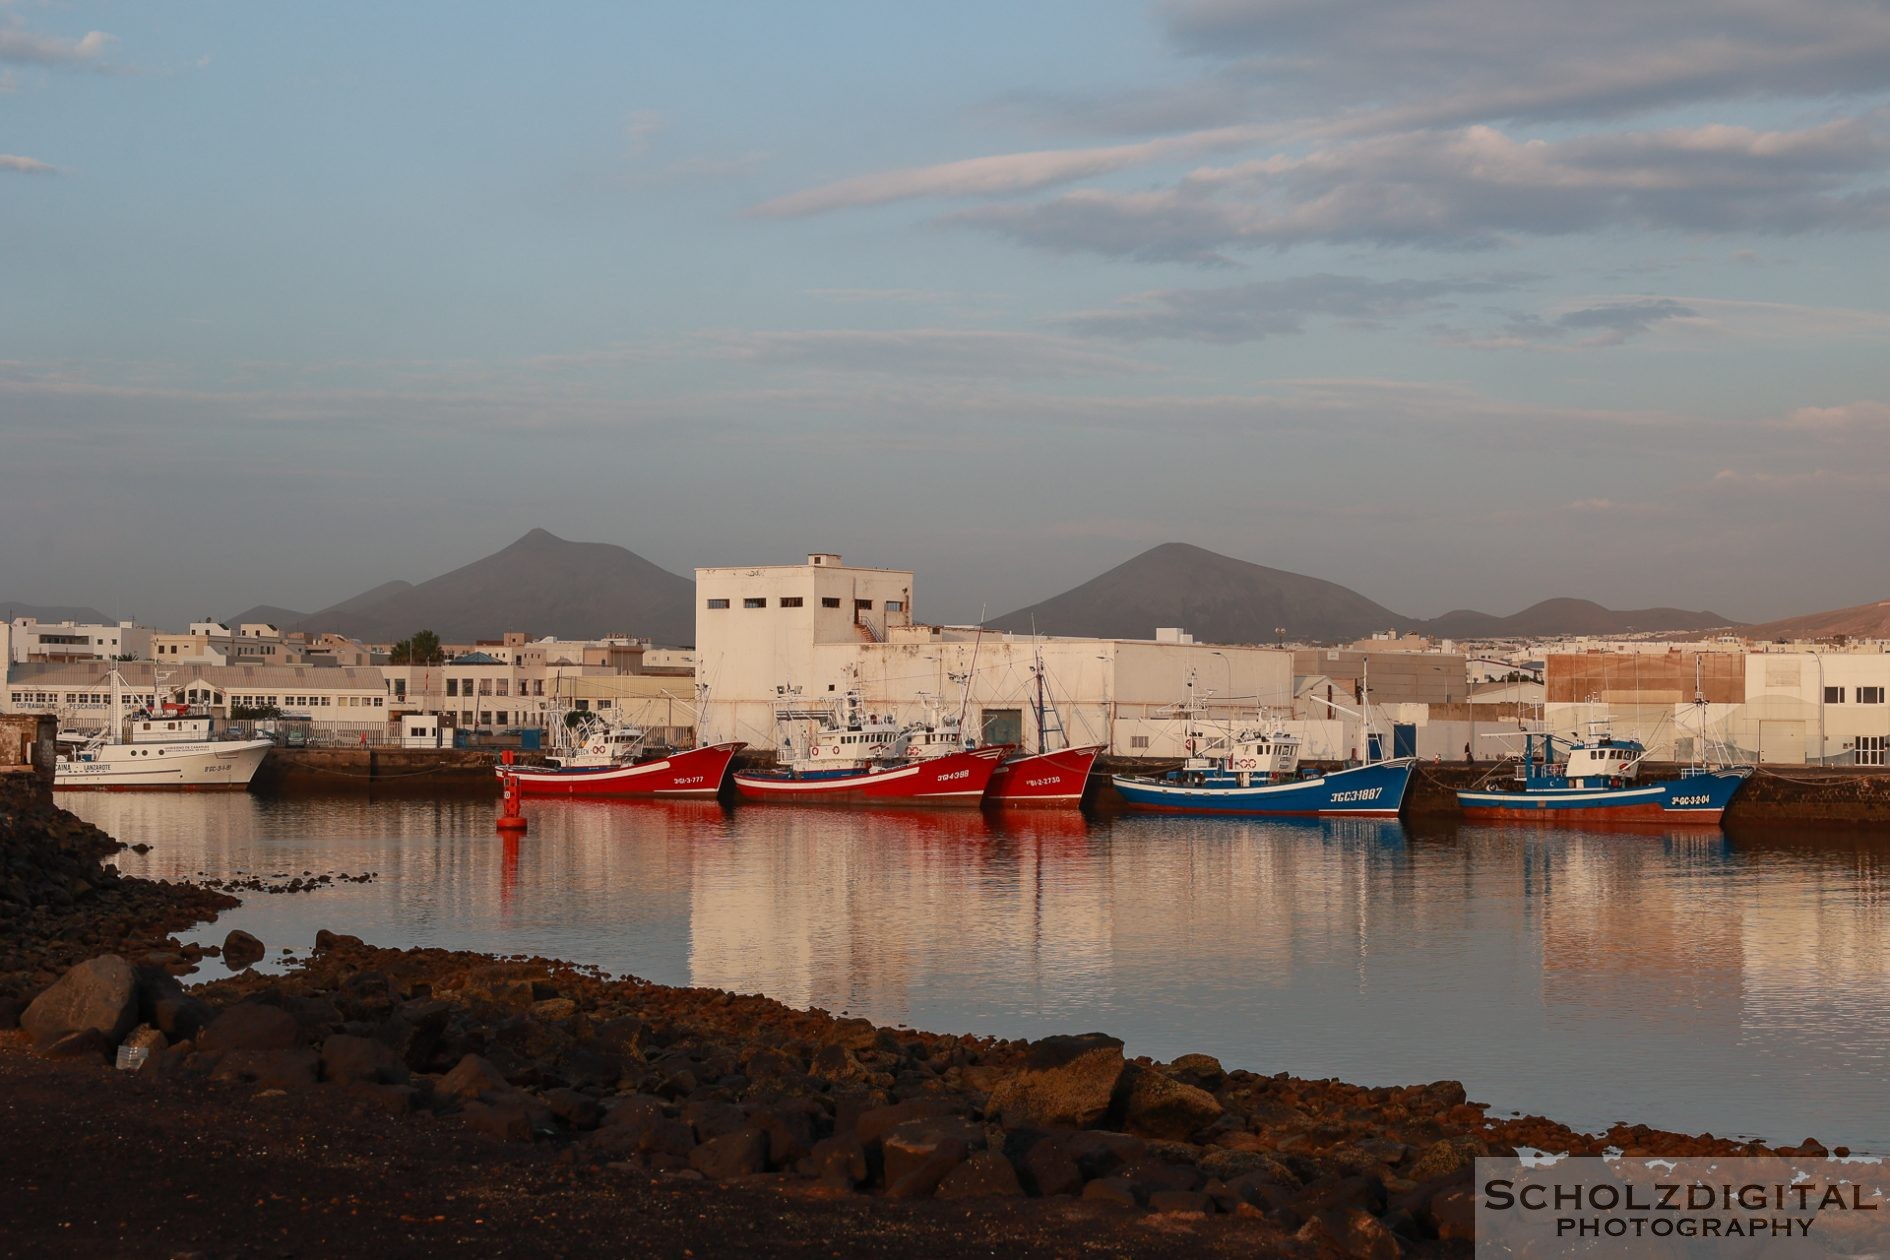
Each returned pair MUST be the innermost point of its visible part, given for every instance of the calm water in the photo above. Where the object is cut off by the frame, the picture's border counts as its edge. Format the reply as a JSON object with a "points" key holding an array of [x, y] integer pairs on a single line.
{"points": [[1698, 982]]}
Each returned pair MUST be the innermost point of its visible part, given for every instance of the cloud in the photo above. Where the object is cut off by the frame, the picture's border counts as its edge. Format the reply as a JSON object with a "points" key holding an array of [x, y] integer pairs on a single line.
{"points": [[1602, 322], [922, 352], [1003, 173], [1474, 188], [1273, 308], [25, 165], [25, 48], [1447, 62], [1847, 417]]}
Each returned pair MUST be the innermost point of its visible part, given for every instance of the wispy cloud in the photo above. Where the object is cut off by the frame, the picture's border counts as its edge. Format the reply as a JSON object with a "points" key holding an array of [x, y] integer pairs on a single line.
{"points": [[1475, 188], [1006, 172], [1273, 308], [1844, 418], [25, 165], [23, 47], [922, 352]]}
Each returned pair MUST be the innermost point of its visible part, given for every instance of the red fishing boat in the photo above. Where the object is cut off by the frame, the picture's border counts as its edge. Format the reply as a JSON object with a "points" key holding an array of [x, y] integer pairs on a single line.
{"points": [[856, 757], [614, 761], [1048, 779]]}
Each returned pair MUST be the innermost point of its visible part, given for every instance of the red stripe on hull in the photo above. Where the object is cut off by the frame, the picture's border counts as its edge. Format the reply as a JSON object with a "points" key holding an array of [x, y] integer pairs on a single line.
{"points": [[1053, 780], [1650, 812], [692, 772], [957, 780]]}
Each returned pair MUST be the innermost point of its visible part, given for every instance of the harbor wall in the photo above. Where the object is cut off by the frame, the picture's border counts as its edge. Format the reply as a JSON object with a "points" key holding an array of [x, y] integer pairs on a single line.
{"points": [[1852, 796], [383, 771]]}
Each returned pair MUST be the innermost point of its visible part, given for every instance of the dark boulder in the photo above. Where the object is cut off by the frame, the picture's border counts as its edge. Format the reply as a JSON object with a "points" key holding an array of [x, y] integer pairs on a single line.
{"points": [[1068, 1081], [985, 1175], [1159, 1106], [737, 1154], [349, 1059], [840, 1161], [1047, 1168], [251, 1026], [241, 950], [919, 1153], [100, 993], [471, 1077]]}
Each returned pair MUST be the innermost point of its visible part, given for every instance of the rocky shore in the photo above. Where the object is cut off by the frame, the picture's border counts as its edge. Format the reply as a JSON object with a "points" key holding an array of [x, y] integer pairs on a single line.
{"points": [[615, 1097]]}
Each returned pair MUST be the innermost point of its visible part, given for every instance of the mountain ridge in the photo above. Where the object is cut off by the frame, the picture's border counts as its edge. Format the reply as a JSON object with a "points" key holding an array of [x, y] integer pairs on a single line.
{"points": [[1222, 599]]}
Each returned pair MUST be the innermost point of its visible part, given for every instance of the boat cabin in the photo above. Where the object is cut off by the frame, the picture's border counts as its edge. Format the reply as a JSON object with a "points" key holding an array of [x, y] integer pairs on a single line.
{"points": [[815, 737]]}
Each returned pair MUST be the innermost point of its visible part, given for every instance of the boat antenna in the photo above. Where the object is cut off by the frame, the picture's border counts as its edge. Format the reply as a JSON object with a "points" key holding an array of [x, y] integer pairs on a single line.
{"points": [[964, 695]]}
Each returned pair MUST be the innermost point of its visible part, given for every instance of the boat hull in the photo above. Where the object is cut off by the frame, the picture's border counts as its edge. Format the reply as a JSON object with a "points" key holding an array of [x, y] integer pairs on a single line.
{"points": [[1052, 780], [212, 766], [1698, 798], [694, 772], [956, 779], [1374, 791]]}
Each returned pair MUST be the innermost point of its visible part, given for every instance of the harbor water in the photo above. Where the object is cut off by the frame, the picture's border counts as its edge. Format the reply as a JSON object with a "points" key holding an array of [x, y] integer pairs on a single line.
{"points": [[1688, 980]]}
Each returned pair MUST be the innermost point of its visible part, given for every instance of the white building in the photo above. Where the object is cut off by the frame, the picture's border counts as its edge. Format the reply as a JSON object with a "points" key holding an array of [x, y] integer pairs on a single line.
{"points": [[825, 628], [1787, 706], [35, 640]]}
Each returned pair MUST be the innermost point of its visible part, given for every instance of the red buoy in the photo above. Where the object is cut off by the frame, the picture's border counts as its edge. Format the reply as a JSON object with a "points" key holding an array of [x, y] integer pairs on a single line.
{"points": [[510, 819]]}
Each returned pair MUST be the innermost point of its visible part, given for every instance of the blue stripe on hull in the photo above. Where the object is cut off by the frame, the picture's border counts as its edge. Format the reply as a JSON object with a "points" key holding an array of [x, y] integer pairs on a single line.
{"points": [[1696, 794], [1376, 790]]}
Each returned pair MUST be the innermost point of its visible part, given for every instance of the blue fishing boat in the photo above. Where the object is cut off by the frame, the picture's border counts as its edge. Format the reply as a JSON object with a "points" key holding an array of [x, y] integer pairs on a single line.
{"points": [[1597, 779], [1255, 772]]}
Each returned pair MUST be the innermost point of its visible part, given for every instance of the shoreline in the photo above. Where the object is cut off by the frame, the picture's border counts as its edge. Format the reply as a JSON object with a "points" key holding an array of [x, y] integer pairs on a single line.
{"points": [[1822, 797], [544, 1065]]}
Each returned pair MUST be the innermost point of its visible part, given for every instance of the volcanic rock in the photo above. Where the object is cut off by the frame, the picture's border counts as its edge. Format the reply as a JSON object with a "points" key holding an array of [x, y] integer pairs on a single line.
{"points": [[1160, 1107], [986, 1174], [241, 950], [252, 1026], [1067, 1081], [101, 994]]}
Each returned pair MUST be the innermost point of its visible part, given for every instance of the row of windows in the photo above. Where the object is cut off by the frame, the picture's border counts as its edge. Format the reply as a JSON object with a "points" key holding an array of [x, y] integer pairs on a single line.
{"points": [[826, 601], [1865, 695], [308, 702], [495, 686]]}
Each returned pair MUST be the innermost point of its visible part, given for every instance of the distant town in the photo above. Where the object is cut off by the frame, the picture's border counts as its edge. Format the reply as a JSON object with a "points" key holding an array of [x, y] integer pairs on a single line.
{"points": [[823, 629]]}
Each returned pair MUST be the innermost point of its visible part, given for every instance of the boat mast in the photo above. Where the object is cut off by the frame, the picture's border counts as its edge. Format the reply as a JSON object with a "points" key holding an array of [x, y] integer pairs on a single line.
{"points": [[115, 731]]}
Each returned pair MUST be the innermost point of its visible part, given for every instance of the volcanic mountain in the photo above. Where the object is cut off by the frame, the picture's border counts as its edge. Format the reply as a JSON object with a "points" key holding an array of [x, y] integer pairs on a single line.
{"points": [[54, 612], [542, 584], [1569, 616], [1222, 600], [1215, 598], [1862, 621]]}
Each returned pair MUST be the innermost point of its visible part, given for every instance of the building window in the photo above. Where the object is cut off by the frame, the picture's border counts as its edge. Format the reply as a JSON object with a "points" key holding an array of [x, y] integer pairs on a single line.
{"points": [[718, 603], [504, 686], [501, 717], [1834, 695], [862, 605], [754, 602], [1870, 695], [790, 601], [485, 686], [1871, 749], [538, 686], [452, 686], [830, 601], [895, 605]]}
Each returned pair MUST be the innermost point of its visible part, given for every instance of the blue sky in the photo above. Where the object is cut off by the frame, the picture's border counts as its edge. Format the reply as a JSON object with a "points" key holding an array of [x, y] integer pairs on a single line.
{"points": [[1457, 302]]}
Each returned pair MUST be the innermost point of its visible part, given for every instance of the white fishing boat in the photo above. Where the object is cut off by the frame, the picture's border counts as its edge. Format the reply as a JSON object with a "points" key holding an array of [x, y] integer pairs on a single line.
{"points": [[172, 747]]}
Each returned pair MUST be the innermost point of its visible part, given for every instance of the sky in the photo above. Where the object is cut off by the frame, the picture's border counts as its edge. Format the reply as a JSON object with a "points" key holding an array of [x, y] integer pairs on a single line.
{"points": [[1460, 303]]}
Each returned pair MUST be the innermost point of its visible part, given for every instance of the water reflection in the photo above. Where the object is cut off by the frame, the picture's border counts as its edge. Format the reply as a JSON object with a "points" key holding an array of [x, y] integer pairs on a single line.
{"points": [[1734, 983]]}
